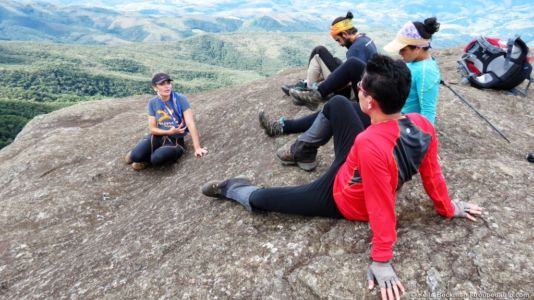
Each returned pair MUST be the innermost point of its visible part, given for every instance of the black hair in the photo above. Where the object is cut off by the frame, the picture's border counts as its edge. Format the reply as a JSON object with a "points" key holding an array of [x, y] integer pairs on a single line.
{"points": [[350, 16], [388, 81], [428, 28]]}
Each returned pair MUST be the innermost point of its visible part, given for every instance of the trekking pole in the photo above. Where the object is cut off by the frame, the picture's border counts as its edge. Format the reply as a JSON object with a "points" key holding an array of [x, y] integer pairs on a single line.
{"points": [[474, 109]]}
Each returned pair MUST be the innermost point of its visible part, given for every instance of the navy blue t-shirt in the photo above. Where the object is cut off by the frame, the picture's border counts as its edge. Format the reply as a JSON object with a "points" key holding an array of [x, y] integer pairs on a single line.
{"points": [[168, 115], [362, 48]]}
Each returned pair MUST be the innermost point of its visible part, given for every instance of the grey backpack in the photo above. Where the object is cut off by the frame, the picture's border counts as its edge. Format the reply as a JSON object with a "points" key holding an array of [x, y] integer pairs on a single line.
{"points": [[491, 63]]}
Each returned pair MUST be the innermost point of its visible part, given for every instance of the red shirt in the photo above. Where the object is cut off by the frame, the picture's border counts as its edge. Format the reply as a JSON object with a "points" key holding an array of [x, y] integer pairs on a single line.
{"points": [[381, 159]]}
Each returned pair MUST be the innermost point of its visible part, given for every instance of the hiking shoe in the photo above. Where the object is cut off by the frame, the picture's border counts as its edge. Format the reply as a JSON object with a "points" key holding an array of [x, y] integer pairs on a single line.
{"points": [[286, 88], [218, 188], [138, 166], [128, 158], [272, 128], [301, 84], [306, 159], [311, 98]]}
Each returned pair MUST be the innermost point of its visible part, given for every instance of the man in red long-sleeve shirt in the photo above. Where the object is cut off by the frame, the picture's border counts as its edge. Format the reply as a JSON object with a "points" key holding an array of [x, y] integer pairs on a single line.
{"points": [[369, 168]]}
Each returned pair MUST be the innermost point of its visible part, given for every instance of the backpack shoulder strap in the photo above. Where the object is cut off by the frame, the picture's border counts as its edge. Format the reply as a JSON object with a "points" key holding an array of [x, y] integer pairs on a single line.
{"points": [[487, 46], [509, 47]]}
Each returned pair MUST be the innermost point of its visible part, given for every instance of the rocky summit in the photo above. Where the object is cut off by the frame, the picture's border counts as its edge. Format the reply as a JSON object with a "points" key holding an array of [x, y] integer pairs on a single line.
{"points": [[77, 222]]}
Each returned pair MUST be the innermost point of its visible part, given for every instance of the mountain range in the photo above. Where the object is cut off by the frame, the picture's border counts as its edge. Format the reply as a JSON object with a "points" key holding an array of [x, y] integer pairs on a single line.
{"points": [[119, 21]]}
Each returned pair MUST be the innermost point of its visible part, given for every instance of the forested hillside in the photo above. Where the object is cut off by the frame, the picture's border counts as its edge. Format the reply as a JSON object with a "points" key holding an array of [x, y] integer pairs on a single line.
{"points": [[37, 78]]}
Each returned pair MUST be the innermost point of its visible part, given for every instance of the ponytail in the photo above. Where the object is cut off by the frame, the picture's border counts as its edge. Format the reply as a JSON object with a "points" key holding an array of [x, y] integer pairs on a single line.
{"points": [[428, 28]]}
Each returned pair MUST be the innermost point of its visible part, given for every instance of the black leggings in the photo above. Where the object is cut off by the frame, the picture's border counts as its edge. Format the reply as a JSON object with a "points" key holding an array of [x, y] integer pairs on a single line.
{"points": [[329, 60], [302, 124], [350, 71], [332, 63], [158, 149], [316, 198]]}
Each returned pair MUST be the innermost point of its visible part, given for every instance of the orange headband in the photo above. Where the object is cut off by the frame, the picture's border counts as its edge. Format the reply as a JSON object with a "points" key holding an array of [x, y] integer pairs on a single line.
{"points": [[340, 27]]}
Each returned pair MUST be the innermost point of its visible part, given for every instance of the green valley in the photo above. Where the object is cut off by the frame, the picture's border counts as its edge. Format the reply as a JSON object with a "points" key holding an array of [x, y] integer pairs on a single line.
{"points": [[37, 77]]}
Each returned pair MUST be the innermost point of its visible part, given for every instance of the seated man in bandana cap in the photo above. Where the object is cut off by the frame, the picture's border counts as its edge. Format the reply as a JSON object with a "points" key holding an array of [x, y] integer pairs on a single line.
{"points": [[336, 77], [322, 62]]}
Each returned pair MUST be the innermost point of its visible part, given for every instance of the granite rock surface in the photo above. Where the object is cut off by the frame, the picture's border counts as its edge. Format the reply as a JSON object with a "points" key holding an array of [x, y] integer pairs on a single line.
{"points": [[76, 222]]}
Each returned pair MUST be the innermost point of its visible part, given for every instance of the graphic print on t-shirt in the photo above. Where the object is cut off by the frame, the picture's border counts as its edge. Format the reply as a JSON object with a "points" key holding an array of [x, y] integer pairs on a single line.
{"points": [[164, 115], [165, 119]]}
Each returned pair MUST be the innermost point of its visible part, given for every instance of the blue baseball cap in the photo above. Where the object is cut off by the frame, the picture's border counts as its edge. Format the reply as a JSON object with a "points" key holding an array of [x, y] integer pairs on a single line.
{"points": [[159, 78]]}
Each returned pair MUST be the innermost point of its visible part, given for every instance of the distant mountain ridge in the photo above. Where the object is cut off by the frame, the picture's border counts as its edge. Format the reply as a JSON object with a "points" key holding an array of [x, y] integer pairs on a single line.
{"points": [[95, 25], [118, 21]]}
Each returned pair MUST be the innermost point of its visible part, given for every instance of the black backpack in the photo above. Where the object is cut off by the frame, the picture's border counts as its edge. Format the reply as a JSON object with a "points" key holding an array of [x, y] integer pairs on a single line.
{"points": [[491, 63]]}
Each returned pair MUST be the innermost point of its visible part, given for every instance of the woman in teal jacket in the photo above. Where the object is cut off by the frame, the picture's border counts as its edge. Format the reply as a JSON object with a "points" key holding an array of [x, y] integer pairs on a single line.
{"points": [[413, 45]]}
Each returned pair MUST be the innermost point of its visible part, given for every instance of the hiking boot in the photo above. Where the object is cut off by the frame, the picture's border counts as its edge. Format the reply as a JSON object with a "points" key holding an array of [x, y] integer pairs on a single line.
{"points": [[218, 188], [311, 98], [272, 128], [128, 158], [138, 166], [301, 84], [300, 153]]}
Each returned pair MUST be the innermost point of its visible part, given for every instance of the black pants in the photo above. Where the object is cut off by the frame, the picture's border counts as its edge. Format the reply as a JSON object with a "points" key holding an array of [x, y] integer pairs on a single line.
{"points": [[350, 71], [329, 60], [332, 63], [316, 198], [302, 124], [158, 149]]}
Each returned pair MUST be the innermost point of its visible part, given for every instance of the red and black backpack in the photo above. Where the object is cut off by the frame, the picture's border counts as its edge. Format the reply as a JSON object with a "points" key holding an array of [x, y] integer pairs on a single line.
{"points": [[491, 63]]}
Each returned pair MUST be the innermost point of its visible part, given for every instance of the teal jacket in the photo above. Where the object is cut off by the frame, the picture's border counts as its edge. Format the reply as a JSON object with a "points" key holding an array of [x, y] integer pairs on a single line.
{"points": [[424, 92]]}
